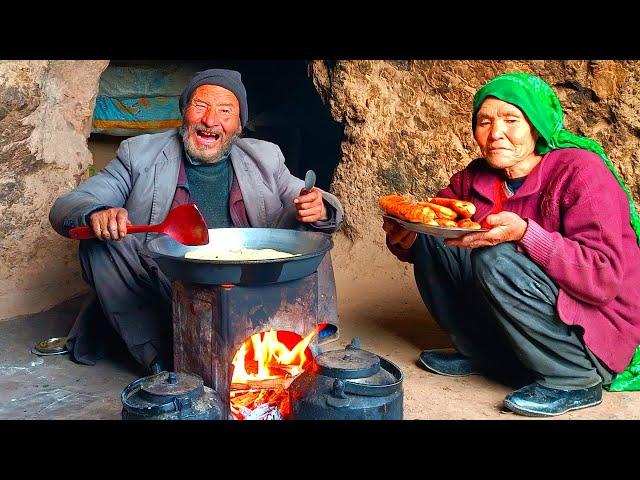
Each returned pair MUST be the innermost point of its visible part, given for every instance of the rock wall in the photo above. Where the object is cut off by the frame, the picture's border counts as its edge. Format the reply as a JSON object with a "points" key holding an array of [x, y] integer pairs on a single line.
{"points": [[408, 127], [45, 119]]}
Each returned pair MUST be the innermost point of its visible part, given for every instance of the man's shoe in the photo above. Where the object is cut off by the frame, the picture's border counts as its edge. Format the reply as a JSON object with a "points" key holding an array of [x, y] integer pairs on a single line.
{"points": [[537, 401], [452, 364]]}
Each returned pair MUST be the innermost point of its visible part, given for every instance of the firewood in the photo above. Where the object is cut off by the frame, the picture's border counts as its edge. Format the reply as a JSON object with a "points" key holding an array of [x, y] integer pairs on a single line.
{"points": [[266, 384]]}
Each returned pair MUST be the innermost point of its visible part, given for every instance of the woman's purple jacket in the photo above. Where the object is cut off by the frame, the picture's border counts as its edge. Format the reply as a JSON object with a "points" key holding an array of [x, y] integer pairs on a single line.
{"points": [[579, 233]]}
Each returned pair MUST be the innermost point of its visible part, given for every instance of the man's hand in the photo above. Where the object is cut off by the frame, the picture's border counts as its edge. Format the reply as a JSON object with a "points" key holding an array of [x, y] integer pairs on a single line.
{"points": [[110, 224], [398, 235], [505, 227], [310, 207]]}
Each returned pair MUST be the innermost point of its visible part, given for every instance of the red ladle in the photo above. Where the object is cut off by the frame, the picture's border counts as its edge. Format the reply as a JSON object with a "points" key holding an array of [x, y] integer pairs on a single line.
{"points": [[184, 224]]}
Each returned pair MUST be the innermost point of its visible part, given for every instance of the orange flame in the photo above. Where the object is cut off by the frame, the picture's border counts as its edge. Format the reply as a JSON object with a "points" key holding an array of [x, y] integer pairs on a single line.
{"points": [[270, 355], [267, 366]]}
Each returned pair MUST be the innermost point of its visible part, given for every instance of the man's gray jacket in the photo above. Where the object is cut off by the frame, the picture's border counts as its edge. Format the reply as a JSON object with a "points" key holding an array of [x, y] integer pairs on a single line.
{"points": [[142, 178]]}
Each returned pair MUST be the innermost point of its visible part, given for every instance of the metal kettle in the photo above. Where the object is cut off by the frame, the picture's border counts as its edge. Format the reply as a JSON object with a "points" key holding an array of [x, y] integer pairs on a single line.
{"points": [[170, 396], [349, 384]]}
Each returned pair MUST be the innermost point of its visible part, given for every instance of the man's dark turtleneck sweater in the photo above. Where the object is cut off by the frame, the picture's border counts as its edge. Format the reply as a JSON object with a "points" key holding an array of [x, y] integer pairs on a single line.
{"points": [[209, 186]]}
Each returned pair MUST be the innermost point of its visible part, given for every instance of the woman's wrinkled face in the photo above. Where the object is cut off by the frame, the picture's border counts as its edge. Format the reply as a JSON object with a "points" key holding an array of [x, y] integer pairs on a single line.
{"points": [[211, 123], [505, 136]]}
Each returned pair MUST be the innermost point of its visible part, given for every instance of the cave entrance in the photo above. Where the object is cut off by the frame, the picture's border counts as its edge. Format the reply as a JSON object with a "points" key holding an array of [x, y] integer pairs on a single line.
{"points": [[284, 108]]}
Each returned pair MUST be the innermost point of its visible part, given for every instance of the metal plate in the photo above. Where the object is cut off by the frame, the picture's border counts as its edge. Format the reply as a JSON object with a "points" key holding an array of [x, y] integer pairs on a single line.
{"points": [[444, 232], [40, 354], [311, 247], [51, 346]]}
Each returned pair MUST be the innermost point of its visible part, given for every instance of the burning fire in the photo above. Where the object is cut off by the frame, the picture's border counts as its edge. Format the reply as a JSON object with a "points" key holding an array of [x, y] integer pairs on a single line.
{"points": [[264, 367]]}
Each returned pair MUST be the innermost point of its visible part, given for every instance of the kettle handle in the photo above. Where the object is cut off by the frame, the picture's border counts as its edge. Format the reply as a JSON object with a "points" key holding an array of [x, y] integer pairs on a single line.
{"points": [[337, 398]]}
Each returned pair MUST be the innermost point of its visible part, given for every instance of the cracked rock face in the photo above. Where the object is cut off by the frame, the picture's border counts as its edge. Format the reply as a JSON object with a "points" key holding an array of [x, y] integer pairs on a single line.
{"points": [[45, 115], [408, 123]]}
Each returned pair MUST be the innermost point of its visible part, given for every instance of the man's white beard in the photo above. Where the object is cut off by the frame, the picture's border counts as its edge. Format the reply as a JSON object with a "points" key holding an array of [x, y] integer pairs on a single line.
{"points": [[202, 156]]}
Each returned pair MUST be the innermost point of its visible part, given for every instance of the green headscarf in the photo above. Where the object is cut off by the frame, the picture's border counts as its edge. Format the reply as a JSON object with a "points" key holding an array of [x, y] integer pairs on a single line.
{"points": [[541, 106]]}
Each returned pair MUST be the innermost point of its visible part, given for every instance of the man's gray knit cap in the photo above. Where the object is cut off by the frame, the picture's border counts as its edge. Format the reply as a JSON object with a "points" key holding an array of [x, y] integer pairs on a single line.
{"points": [[229, 79]]}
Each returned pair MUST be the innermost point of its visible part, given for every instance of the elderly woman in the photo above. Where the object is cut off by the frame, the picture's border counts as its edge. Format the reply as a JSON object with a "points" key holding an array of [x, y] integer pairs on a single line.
{"points": [[551, 292]]}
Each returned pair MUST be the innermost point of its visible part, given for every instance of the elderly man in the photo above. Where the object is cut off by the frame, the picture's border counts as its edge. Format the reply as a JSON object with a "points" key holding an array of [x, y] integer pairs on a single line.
{"points": [[236, 182]]}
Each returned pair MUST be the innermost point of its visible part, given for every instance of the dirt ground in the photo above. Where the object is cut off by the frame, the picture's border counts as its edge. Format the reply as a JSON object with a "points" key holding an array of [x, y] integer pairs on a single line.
{"points": [[381, 306]]}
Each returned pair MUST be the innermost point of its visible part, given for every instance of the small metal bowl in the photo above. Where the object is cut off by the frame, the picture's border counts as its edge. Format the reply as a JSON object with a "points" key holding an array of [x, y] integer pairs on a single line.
{"points": [[51, 346]]}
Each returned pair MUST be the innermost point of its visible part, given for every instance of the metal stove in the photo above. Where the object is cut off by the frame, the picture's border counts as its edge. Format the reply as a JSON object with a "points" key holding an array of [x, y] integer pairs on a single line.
{"points": [[217, 305]]}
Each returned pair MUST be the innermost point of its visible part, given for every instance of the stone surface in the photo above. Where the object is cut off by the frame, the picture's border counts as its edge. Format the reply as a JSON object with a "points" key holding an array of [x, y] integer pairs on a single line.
{"points": [[54, 387], [45, 114], [408, 128]]}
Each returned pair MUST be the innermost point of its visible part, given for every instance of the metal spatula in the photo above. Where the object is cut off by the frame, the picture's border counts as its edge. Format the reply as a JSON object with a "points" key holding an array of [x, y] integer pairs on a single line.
{"points": [[309, 181]]}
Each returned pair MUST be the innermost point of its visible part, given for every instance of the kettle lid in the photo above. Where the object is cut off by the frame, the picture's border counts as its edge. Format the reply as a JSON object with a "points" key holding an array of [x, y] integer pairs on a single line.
{"points": [[170, 383], [352, 362], [161, 393]]}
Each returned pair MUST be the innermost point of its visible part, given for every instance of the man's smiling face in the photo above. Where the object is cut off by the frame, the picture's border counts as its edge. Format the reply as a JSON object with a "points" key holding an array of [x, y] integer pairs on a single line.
{"points": [[211, 123]]}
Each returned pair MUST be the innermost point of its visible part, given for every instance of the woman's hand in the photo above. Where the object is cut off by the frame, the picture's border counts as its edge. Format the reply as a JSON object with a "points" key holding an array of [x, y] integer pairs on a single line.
{"points": [[505, 227], [398, 235]]}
